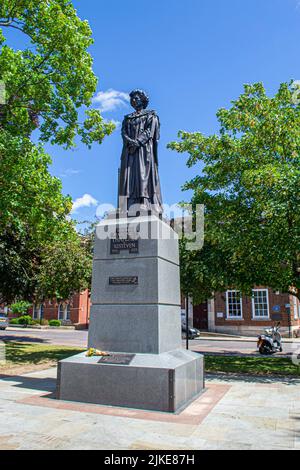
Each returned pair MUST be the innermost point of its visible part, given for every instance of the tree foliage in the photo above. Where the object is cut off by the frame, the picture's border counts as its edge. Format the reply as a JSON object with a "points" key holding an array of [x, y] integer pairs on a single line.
{"points": [[20, 308], [49, 85], [249, 181], [36, 236], [52, 78]]}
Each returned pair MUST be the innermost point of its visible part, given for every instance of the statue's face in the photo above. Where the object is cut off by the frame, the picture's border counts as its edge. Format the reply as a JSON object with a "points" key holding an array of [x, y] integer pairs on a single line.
{"points": [[137, 102]]}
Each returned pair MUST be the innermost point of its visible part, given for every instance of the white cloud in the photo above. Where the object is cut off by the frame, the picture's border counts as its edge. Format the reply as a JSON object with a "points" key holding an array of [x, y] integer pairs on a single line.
{"points": [[69, 172], [110, 100], [85, 201]]}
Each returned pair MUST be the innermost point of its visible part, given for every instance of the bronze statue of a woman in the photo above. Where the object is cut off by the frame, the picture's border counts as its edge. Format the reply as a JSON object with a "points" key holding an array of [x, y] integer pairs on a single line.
{"points": [[139, 185]]}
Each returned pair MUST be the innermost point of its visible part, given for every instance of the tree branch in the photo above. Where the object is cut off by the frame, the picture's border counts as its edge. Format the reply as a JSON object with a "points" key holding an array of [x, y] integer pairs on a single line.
{"points": [[6, 23]]}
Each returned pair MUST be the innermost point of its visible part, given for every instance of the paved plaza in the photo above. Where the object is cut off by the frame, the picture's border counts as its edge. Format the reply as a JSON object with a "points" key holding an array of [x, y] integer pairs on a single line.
{"points": [[233, 413]]}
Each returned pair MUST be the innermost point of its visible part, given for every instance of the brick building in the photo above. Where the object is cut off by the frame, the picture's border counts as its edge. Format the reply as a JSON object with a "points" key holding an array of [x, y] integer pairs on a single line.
{"points": [[75, 311], [233, 313]]}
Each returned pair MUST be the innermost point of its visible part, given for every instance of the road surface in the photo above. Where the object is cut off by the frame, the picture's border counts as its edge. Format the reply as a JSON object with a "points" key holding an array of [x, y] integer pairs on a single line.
{"points": [[79, 339]]}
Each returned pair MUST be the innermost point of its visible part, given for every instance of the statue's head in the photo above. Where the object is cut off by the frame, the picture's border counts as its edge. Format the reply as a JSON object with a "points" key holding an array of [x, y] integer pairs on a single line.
{"points": [[139, 99]]}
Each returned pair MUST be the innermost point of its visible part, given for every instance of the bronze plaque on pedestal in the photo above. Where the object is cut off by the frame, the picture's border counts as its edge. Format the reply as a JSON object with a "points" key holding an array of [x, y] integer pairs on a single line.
{"points": [[124, 281], [116, 246], [118, 359]]}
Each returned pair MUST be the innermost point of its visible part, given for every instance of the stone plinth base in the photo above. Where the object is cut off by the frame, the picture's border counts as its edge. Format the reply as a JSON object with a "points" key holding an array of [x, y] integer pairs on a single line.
{"points": [[159, 382]]}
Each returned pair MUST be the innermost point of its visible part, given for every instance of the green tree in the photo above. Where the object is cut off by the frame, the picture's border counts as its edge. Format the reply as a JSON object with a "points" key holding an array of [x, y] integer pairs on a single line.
{"points": [[65, 268], [249, 182], [35, 227], [20, 308], [49, 85], [52, 78]]}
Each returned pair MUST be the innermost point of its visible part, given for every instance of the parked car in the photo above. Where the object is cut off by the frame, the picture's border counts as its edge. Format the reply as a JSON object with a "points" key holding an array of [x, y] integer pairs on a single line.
{"points": [[193, 332], [3, 321]]}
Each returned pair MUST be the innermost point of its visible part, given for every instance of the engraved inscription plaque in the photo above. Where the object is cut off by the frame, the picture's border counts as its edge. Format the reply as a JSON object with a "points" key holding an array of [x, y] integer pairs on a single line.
{"points": [[118, 245], [118, 359], [124, 281]]}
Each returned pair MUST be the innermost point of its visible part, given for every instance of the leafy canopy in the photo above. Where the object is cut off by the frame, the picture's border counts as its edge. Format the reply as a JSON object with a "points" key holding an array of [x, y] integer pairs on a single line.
{"points": [[49, 85], [20, 308], [249, 181], [36, 236], [52, 78]]}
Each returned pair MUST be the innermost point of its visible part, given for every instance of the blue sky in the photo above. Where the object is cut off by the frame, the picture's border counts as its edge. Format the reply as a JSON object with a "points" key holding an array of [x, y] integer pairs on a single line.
{"points": [[192, 57]]}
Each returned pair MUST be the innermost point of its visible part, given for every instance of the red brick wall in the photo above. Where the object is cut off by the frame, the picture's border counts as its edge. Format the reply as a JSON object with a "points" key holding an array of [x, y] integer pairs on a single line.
{"points": [[274, 300], [79, 308]]}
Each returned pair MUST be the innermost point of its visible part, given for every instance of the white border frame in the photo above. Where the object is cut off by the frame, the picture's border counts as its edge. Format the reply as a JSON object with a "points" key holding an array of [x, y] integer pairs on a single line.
{"points": [[254, 317], [227, 307]]}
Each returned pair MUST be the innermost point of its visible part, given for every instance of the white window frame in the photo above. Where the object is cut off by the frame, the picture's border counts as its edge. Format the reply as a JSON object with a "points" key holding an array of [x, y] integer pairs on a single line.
{"points": [[228, 316], [42, 306], [258, 317], [66, 312], [36, 309], [296, 307], [63, 312]]}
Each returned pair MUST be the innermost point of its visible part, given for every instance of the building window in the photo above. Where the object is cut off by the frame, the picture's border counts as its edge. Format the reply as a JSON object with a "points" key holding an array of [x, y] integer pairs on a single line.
{"points": [[260, 303], [42, 309], [61, 312], [35, 312], [234, 304], [68, 312]]}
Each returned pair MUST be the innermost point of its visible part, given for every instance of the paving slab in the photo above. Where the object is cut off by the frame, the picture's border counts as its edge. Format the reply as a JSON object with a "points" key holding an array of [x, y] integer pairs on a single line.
{"points": [[231, 414]]}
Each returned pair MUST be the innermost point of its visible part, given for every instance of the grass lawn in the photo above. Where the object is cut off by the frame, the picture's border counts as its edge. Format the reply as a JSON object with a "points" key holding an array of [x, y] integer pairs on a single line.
{"points": [[22, 355], [29, 356], [251, 365]]}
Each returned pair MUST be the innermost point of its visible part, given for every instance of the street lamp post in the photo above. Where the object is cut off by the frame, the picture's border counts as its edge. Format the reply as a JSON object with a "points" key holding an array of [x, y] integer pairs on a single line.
{"points": [[187, 321]]}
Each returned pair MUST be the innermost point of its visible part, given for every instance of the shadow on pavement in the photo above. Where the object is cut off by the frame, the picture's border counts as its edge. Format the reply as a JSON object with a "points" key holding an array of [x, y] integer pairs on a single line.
{"points": [[23, 339], [272, 379], [296, 417], [46, 384], [225, 352]]}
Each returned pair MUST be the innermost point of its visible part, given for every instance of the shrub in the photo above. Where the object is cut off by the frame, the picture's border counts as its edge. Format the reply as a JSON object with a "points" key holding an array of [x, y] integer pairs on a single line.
{"points": [[14, 321], [25, 320], [54, 323], [20, 308], [44, 322]]}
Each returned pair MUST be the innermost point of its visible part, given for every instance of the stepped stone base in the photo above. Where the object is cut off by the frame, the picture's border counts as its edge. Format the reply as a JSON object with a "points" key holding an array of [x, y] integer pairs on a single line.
{"points": [[135, 316], [159, 382]]}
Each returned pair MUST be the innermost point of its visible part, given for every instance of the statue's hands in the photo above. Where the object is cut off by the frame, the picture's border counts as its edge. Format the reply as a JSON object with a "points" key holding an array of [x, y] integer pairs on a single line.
{"points": [[133, 146]]}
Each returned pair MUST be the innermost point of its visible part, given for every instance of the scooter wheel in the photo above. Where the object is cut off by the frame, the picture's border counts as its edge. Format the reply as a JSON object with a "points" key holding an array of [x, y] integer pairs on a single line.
{"points": [[265, 351]]}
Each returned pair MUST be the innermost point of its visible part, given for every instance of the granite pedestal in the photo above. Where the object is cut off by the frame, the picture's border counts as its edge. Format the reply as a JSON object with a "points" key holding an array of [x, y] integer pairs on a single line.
{"points": [[135, 316]]}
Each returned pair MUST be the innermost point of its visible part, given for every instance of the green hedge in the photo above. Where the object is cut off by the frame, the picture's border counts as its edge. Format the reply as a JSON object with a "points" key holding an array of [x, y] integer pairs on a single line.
{"points": [[24, 320], [54, 323]]}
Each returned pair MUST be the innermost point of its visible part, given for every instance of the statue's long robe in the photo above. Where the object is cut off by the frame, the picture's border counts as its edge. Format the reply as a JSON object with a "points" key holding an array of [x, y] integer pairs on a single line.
{"points": [[139, 180]]}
